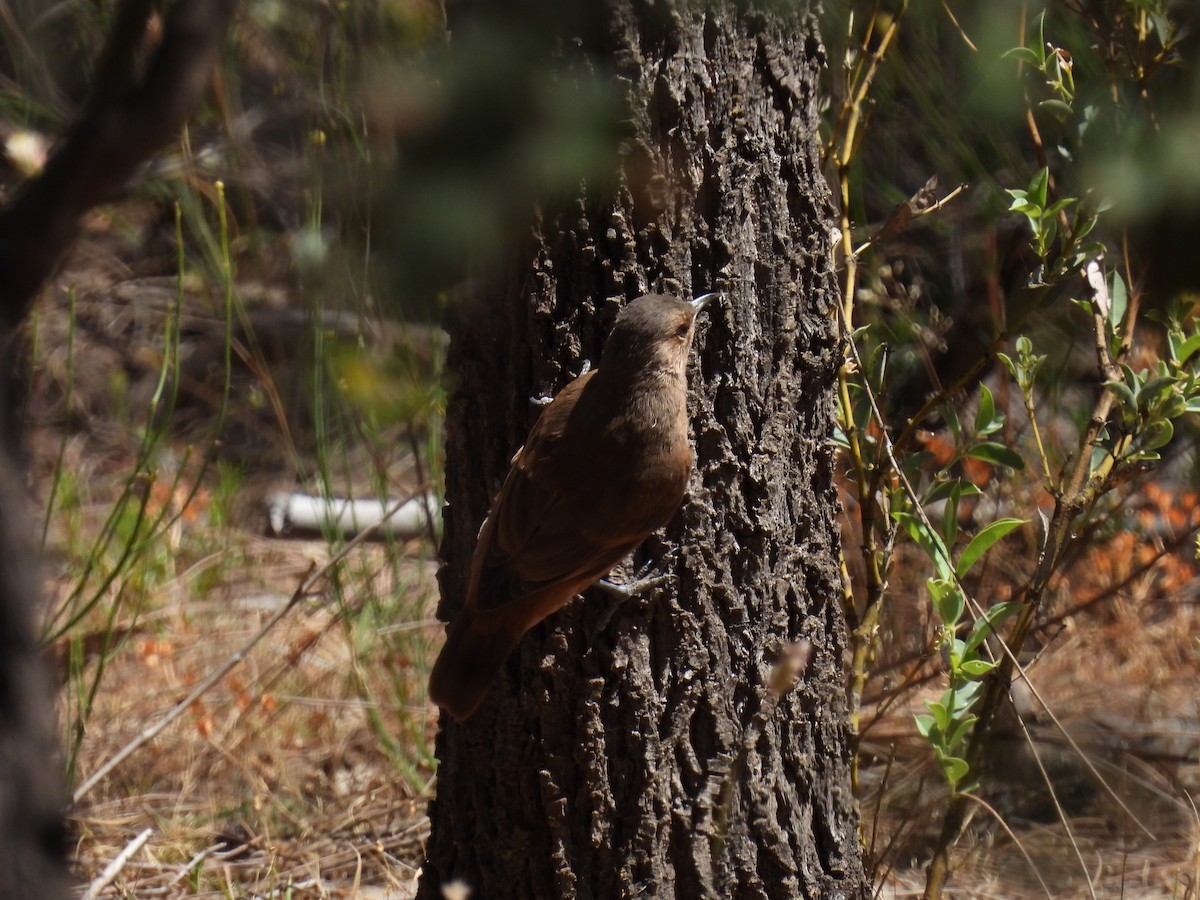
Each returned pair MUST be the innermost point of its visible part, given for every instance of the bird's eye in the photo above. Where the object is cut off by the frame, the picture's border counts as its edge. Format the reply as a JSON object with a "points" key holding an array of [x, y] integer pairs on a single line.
{"points": [[683, 329]]}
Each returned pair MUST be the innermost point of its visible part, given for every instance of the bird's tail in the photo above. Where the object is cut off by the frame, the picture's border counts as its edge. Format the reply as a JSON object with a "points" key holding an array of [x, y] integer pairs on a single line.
{"points": [[474, 651]]}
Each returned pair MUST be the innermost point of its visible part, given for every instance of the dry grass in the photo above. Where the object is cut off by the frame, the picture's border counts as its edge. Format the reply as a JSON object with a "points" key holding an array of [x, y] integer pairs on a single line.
{"points": [[305, 770], [279, 777]]}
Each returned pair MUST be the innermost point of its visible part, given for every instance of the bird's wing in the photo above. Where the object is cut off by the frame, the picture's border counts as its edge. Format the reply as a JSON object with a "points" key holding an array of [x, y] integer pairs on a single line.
{"points": [[536, 537]]}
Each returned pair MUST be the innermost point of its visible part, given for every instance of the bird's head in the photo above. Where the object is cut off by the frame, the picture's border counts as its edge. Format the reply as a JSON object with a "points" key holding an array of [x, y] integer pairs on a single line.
{"points": [[653, 335]]}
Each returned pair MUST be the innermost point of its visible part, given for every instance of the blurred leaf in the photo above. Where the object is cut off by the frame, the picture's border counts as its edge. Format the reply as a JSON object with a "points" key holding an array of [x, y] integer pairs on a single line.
{"points": [[1025, 55], [998, 454], [1120, 299], [986, 412], [1038, 186], [1060, 109], [954, 769], [982, 542]]}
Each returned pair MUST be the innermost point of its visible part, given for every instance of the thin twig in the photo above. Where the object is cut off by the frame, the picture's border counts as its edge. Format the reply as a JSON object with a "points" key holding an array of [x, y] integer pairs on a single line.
{"points": [[1016, 841], [916, 214], [113, 869], [1058, 808]]}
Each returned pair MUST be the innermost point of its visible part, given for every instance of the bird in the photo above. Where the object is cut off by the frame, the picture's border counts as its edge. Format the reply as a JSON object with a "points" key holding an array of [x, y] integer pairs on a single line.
{"points": [[605, 465]]}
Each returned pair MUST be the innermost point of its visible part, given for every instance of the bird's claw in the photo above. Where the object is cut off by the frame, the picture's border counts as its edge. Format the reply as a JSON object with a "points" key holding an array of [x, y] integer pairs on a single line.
{"points": [[637, 587]]}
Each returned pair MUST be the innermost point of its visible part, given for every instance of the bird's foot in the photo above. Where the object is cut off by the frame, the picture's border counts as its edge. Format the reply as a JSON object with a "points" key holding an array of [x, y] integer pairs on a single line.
{"points": [[640, 587], [636, 588]]}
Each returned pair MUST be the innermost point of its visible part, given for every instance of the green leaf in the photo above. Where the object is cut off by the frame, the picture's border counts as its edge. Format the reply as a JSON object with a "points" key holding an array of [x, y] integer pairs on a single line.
{"points": [[1062, 111], [1120, 299], [1173, 407], [1154, 391], [1124, 395], [1009, 364], [1058, 205], [1046, 229], [929, 541], [963, 697], [941, 713], [990, 451], [1025, 55], [986, 625], [976, 667], [947, 599], [982, 542], [986, 412], [926, 726], [1188, 348], [1157, 435], [1038, 186], [940, 490], [950, 519], [954, 769], [950, 417], [961, 729], [956, 651]]}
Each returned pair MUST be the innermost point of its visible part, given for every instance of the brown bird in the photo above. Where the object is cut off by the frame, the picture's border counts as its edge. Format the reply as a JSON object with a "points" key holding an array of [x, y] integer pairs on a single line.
{"points": [[606, 464]]}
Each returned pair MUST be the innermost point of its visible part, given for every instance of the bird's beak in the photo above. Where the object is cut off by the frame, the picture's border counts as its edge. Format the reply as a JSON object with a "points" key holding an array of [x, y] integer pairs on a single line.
{"points": [[703, 300]]}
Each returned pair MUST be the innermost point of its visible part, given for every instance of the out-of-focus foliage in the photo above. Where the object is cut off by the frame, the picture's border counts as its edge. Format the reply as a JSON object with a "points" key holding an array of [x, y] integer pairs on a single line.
{"points": [[474, 135], [1018, 190]]}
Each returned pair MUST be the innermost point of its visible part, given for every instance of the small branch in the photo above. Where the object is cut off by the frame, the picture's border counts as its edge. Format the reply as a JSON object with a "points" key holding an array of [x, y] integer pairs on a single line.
{"points": [[113, 869], [904, 214]]}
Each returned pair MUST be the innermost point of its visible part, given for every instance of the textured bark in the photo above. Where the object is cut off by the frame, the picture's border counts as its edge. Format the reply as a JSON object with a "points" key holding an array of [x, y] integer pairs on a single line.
{"points": [[644, 753], [33, 845]]}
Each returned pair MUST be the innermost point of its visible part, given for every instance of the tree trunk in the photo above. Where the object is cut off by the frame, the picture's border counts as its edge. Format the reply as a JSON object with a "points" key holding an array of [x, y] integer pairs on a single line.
{"points": [[648, 751]]}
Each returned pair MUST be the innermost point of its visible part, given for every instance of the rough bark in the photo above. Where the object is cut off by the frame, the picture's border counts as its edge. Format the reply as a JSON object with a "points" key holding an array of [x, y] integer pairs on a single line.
{"points": [[33, 844], [645, 754], [130, 116]]}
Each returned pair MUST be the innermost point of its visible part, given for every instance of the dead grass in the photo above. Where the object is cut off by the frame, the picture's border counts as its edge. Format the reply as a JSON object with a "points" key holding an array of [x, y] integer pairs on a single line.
{"points": [[305, 771], [278, 778]]}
